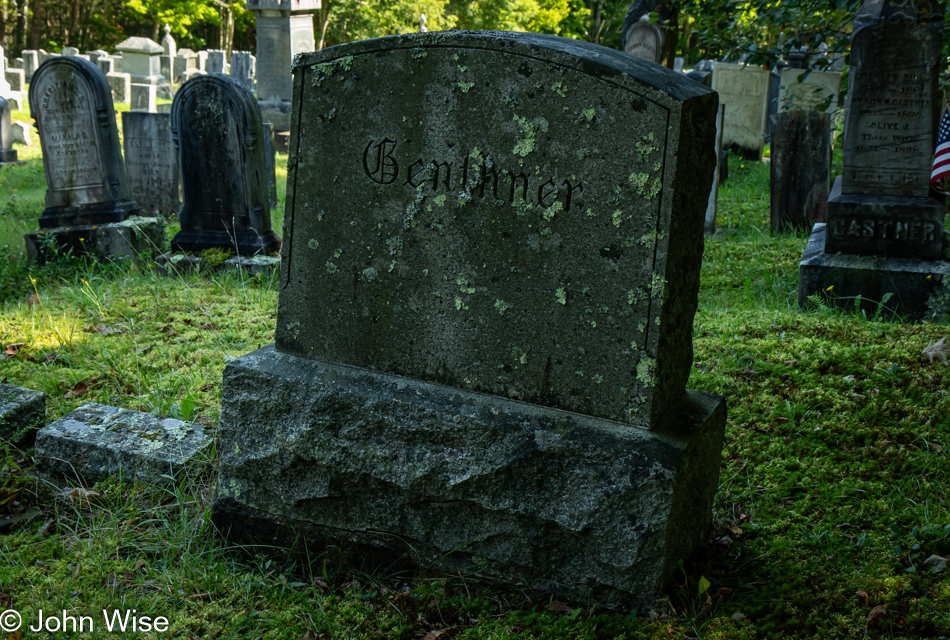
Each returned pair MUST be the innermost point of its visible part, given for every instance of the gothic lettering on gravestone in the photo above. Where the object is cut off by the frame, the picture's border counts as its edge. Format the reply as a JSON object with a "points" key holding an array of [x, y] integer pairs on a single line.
{"points": [[151, 161], [438, 220], [85, 174], [216, 125], [893, 103]]}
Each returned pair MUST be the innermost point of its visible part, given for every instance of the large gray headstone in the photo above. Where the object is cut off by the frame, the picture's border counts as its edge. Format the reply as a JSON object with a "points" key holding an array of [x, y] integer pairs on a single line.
{"points": [[151, 161], [141, 58], [216, 125], [216, 61], [496, 291], [883, 242], [85, 175]]}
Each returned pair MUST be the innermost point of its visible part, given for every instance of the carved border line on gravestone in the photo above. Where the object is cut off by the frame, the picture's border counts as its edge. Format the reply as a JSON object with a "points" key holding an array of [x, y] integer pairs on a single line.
{"points": [[654, 374], [237, 217], [72, 104]]}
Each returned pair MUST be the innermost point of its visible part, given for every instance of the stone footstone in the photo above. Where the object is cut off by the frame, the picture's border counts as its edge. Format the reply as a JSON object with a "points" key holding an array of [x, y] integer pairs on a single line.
{"points": [[22, 411], [116, 241], [915, 289], [254, 265], [97, 441], [524, 493], [177, 264]]}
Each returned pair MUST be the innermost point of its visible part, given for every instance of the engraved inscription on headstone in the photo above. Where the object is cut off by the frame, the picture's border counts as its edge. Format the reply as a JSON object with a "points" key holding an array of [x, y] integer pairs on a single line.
{"points": [[498, 225], [151, 161], [85, 175], [893, 103]]}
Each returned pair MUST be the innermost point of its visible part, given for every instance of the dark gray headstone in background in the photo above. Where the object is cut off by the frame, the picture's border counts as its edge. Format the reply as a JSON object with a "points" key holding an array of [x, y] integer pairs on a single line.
{"points": [[85, 174], [885, 206], [800, 169], [884, 237], [151, 161], [474, 259], [656, 42], [216, 125]]}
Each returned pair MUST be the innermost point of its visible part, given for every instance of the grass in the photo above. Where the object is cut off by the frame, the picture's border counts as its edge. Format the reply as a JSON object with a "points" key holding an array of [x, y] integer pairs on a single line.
{"points": [[833, 490]]}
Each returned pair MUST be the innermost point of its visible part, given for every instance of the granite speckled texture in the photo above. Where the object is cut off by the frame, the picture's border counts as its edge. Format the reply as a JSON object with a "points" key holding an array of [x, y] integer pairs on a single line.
{"points": [[21, 411], [96, 441], [480, 223], [524, 494]]}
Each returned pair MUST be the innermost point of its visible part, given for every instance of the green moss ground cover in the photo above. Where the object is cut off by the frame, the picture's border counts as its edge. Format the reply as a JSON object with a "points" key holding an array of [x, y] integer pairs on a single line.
{"points": [[833, 491]]}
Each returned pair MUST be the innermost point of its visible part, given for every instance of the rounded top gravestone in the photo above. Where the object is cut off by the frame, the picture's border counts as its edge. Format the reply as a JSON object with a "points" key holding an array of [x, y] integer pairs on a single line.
{"points": [[71, 101], [513, 214], [216, 125]]}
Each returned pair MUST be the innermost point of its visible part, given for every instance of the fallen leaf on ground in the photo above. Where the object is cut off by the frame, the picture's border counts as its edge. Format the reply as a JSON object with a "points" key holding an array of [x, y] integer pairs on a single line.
{"points": [[13, 348], [82, 496], [33, 299], [734, 532], [738, 616], [939, 350], [204, 595], [79, 389], [209, 326], [434, 635], [877, 612], [556, 605], [49, 357], [862, 597]]}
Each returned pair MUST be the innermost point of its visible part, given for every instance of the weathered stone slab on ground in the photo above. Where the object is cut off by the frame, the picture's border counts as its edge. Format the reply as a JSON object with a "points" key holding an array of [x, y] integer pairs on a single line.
{"points": [[117, 241], [97, 441], [174, 264], [22, 411], [520, 493]]}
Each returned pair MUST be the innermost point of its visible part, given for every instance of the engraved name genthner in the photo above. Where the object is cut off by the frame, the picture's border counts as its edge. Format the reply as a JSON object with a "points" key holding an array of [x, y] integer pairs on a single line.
{"points": [[474, 174]]}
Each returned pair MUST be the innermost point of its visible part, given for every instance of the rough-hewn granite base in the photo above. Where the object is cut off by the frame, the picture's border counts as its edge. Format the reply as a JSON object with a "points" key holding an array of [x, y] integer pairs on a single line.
{"points": [[918, 288], [22, 411], [115, 241], [523, 494], [96, 441]]}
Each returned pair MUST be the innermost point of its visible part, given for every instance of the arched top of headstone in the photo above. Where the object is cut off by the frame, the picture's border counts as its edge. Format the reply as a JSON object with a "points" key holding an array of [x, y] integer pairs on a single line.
{"points": [[637, 10], [216, 125], [71, 101], [86, 72]]}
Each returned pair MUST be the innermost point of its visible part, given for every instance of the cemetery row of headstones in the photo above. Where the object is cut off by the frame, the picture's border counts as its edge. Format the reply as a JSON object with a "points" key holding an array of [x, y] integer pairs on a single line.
{"points": [[213, 143]]}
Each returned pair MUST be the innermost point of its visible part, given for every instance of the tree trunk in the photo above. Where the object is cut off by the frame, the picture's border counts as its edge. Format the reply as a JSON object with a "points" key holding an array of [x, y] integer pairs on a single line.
{"points": [[597, 20], [323, 19], [21, 25], [3, 26], [156, 28], [227, 30], [72, 31], [36, 25]]}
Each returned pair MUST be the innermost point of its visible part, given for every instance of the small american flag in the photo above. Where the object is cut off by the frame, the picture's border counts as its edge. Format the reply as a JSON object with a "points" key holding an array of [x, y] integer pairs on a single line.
{"points": [[941, 169]]}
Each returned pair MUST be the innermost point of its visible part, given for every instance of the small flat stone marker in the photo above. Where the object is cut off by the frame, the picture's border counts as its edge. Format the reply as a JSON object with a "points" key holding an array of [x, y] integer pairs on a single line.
{"points": [[21, 410], [96, 441]]}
